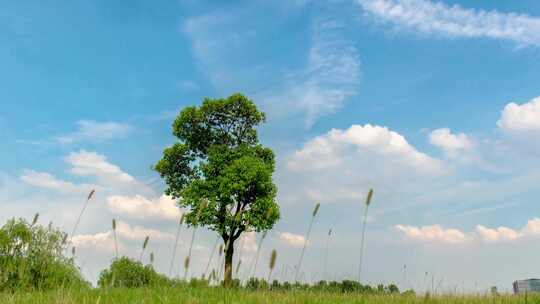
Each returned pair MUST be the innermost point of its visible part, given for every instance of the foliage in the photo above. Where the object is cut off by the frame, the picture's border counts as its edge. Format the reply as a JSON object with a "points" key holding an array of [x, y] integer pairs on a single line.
{"points": [[125, 272], [31, 258], [219, 170]]}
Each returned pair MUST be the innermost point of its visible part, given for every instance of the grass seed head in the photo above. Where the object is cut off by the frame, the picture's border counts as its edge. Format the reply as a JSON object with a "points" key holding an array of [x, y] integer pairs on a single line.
{"points": [[145, 242], [114, 224], [316, 209], [182, 218], [368, 199], [91, 194], [186, 262], [151, 258], [273, 258], [36, 217]]}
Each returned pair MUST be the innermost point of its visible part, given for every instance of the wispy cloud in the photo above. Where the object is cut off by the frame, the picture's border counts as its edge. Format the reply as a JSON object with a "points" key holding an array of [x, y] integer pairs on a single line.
{"points": [[438, 18], [330, 78], [94, 131]]}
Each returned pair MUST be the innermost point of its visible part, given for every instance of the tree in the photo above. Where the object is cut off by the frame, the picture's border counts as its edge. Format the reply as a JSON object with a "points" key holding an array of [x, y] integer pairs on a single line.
{"points": [[220, 171]]}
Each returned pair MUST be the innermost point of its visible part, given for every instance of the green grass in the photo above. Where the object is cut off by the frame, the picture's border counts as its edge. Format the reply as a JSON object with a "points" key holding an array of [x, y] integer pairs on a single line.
{"points": [[220, 295]]}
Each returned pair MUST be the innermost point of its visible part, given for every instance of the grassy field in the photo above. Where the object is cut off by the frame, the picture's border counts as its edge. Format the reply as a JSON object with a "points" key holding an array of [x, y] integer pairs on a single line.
{"points": [[219, 295]]}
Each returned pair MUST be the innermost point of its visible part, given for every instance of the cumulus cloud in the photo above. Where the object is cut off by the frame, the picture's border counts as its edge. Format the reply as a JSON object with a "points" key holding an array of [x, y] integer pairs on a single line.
{"points": [[48, 181], [292, 239], [438, 18], [454, 145], [327, 151], [140, 207], [433, 233], [519, 118], [102, 242], [248, 241], [93, 164], [436, 233], [343, 164], [94, 131], [139, 233]]}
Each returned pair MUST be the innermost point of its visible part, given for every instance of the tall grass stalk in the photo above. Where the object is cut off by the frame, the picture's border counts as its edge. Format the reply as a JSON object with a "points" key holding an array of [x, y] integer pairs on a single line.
{"points": [[201, 208], [35, 219], [242, 242], [115, 238], [211, 257], [272, 264], [178, 231], [368, 202], [257, 254], [221, 261], [326, 253], [88, 198], [146, 239], [313, 215]]}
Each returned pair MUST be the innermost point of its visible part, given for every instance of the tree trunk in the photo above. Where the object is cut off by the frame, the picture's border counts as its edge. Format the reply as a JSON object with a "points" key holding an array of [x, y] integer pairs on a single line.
{"points": [[229, 253]]}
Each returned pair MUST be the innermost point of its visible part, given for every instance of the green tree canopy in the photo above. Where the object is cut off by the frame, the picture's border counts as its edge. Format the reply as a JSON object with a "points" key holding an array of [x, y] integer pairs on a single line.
{"points": [[31, 258], [219, 170]]}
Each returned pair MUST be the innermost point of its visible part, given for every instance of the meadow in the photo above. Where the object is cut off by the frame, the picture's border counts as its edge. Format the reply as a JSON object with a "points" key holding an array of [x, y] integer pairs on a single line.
{"points": [[223, 295]]}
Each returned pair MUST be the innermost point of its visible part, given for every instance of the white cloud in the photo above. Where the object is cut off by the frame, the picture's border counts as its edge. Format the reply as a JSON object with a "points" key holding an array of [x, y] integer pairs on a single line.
{"points": [[452, 144], [330, 150], [332, 73], [433, 233], [249, 241], [438, 18], [48, 181], [139, 233], [519, 118], [436, 233], [140, 207], [102, 242], [89, 130], [498, 234], [292, 239], [92, 164], [330, 77]]}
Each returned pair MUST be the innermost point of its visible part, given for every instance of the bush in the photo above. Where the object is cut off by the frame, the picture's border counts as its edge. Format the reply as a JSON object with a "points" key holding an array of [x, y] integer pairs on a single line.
{"points": [[125, 272], [31, 258]]}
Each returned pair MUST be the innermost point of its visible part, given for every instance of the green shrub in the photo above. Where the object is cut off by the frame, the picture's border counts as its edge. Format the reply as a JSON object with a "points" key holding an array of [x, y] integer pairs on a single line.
{"points": [[31, 258], [125, 272]]}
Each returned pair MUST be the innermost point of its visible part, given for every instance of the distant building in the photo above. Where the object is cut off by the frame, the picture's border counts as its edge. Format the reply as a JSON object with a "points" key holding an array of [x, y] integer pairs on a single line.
{"points": [[525, 286]]}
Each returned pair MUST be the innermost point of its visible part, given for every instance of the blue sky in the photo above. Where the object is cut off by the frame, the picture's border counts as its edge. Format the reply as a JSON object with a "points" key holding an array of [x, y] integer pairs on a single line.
{"points": [[432, 103]]}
